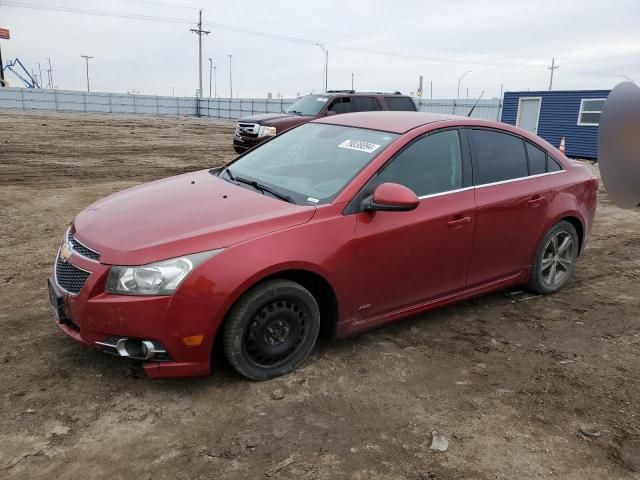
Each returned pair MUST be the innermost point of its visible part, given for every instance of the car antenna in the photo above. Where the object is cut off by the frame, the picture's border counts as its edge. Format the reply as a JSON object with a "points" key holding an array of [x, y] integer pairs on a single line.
{"points": [[474, 105]]}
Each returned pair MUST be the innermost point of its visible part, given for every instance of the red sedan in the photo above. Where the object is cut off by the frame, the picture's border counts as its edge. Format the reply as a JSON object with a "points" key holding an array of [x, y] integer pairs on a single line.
{"points": [[336, 226]]}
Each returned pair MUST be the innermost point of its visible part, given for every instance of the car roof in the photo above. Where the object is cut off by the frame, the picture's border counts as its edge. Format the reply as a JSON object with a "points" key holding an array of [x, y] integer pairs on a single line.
{"points": [[388, 121]]}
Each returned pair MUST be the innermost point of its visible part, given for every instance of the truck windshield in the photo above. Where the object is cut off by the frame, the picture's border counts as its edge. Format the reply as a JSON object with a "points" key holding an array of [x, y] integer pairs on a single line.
{"points": [[311, 164], [308, 105]]}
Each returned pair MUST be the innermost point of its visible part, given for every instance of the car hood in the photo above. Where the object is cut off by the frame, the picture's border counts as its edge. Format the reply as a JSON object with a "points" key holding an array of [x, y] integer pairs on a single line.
{"points": [[282, 121], [264, 117], [189, 213]]}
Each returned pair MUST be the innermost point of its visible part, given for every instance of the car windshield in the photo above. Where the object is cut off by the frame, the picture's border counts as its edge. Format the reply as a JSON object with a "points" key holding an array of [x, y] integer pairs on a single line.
{"points": [[308, 105], [311, 164]]}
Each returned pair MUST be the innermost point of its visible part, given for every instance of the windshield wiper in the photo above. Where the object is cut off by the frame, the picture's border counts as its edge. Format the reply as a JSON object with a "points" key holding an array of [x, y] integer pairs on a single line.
{"points": [[296, 112], [229, 174], [259, 186]]}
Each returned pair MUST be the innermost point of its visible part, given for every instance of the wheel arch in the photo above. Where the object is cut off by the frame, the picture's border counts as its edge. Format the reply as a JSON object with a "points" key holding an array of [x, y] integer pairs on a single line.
{"points": [[307, 276], [578, 225]]}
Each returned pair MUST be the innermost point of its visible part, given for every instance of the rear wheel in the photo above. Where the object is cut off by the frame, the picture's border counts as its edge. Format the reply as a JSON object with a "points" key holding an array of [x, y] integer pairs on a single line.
{"points": [[555, 259], [271, 329]]}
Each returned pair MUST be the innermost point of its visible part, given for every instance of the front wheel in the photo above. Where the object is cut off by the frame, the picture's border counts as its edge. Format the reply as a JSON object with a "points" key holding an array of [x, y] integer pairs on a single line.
{"points": [[271, 329], [555, 259]]}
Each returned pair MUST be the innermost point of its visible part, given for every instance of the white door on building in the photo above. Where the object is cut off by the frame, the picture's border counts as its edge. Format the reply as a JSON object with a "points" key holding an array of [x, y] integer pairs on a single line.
{"points": [[528, 113]]}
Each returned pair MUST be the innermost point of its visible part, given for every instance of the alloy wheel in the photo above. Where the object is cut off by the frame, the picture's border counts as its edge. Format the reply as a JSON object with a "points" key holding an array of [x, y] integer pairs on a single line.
{"points": [[557, 259]]}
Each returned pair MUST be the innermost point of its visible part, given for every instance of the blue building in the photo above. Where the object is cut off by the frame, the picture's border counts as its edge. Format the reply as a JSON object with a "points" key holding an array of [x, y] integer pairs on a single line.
{"points": [[573, 114]]}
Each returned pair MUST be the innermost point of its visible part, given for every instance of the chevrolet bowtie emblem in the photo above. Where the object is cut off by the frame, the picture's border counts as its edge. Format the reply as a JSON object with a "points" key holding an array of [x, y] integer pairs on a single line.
{"points": [[65, 252]]}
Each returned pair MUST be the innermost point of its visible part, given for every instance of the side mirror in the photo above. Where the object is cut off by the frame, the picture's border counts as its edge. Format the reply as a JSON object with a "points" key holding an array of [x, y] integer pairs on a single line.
{"points": [[391, 197], [331, 113]]}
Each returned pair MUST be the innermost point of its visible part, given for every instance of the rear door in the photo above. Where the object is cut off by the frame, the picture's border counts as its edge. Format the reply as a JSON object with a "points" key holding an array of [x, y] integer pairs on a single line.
{"points": [[404, 258], [511, 205]]}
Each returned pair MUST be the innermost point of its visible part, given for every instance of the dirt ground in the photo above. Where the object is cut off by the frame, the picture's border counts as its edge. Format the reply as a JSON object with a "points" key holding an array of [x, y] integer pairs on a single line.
{"points": [[545, 388]]}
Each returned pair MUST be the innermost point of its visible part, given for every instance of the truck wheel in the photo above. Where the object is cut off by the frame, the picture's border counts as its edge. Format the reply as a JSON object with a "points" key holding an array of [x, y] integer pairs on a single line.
{"points": [[271, 329], [555, 259]]}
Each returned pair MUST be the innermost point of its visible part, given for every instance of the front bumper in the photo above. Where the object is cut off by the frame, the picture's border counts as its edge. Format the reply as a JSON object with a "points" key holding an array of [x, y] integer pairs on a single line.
{"points": [[242, 144], [96, 319]]}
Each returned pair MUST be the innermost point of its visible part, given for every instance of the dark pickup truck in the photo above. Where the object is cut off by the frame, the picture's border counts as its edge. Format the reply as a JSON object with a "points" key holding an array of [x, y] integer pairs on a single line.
{"points": [[250, 131]]}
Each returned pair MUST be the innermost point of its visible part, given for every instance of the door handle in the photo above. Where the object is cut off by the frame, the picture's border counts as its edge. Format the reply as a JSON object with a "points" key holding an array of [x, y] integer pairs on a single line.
{"points": [[458, 222], [535, 201]]}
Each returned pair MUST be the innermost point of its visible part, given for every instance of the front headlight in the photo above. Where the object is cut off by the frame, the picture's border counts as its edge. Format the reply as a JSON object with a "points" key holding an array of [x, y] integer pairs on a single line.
{"points": [[159, 278], [266, 131]]}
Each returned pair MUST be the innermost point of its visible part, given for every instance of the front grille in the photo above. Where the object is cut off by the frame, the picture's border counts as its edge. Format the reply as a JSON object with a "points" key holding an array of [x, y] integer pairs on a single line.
{"points": [[247, 129], [69, 277], [81, 249]]}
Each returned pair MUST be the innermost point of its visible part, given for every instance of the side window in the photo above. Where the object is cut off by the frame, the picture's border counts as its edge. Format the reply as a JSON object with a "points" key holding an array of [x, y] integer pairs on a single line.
{"points": [[432, 164], [552, 165], [400, 103], [537, 159], [365, 104], [498, 157], [341, 105]]}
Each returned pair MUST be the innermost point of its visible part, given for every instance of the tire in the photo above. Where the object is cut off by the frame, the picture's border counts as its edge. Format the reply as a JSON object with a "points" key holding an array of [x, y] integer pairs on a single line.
{"points": [[555, 261], [271, 329]]}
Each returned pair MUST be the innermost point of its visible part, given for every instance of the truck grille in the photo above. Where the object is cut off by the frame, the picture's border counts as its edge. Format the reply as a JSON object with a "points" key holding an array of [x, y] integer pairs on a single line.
{"points": [[247, 129], [81, 249], [69, 277]]}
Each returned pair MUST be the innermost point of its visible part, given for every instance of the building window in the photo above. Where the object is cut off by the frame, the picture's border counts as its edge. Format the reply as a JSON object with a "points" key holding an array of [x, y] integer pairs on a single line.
{"points": [[590, 110]]}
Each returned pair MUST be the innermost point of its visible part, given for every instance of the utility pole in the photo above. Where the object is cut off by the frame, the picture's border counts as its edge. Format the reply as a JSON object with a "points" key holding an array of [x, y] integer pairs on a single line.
{"points": [[50, 73], [173, 91], [326, 66], [552, 68], [198, 31], [460, 81], [430, 89], [352, 81], [86, 59], [40, 70], [210, 74], [230, 79]]}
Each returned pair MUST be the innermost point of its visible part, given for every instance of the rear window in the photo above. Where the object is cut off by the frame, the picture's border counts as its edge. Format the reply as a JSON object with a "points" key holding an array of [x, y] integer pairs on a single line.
{"points": [[499, 157], [365, 104], [400, 103], [537, 160], [553, 165]]}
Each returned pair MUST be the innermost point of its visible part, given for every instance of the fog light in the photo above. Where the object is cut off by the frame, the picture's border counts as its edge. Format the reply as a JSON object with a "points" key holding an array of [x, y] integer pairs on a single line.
{"points": [[193, 340]]}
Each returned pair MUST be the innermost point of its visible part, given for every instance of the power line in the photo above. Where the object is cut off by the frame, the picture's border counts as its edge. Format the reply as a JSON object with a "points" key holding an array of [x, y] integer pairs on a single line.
{"points": [[233, 28]]}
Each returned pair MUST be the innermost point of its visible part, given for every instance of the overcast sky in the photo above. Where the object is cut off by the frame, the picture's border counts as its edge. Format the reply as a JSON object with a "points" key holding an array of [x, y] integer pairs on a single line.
{"points": [[387, 45]]}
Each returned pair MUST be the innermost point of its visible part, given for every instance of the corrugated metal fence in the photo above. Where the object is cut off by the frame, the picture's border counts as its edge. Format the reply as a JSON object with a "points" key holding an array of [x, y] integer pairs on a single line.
{"points": [[28, 99]]}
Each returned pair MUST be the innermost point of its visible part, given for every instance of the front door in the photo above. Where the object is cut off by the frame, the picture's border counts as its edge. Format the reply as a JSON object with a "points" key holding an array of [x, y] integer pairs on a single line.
{"points": [[528, 113], [405, 258]]}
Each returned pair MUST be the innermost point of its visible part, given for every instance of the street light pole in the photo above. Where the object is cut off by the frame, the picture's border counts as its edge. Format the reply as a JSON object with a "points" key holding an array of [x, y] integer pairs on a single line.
{"points": [[210, 74], [326, 66], [352, 81], [460, 81], [215, 83], [230, 78], [86, 59]]}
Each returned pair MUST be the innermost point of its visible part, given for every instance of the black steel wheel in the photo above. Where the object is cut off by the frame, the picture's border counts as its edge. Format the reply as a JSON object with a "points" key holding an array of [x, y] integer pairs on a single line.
{"points": [[271, 329]]}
